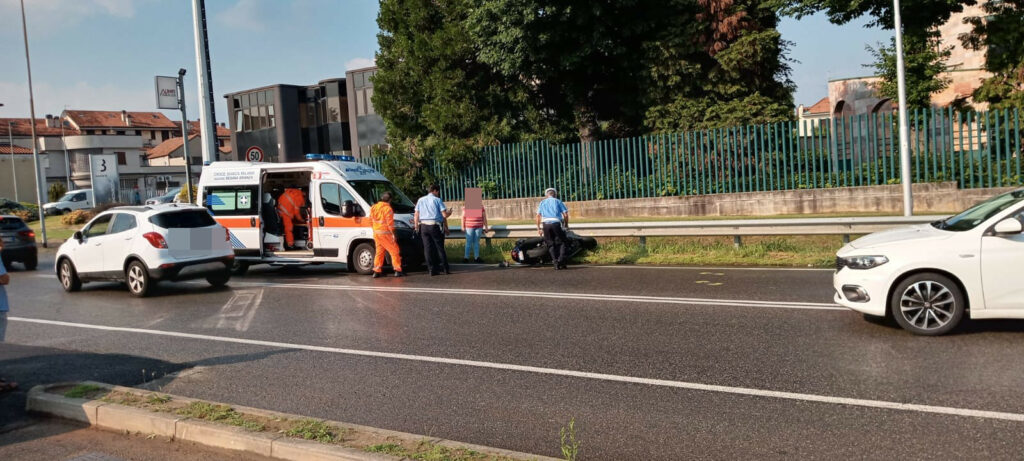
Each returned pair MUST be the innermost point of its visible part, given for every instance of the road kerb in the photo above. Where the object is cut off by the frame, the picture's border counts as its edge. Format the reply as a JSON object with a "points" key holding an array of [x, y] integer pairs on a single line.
{"points": [[81, 410], [221, 436], [122, 418]]}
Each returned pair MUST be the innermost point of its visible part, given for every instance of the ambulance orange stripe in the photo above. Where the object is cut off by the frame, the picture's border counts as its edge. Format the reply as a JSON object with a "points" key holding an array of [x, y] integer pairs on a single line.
{"points": [[236, 223], [346, 222]]}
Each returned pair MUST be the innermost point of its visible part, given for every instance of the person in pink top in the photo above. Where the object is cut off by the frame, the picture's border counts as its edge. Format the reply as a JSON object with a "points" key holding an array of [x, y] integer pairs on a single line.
{"points": [[474, 224]]}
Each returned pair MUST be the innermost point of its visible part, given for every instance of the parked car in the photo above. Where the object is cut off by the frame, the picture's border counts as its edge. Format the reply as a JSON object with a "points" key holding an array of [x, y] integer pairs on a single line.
{"points": [[80, 199], [19, 242], [170, 197], [142, 245], [928, 277]]}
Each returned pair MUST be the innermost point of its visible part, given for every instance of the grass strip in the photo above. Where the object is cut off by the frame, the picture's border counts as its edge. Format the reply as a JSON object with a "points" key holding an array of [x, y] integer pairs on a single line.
{"points": [[220, 414], [311, 429], [82, 390]]}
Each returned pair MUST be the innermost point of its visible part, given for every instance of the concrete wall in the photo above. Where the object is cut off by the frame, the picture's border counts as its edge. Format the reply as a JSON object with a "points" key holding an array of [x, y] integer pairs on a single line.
{"points": [[929, 198]]}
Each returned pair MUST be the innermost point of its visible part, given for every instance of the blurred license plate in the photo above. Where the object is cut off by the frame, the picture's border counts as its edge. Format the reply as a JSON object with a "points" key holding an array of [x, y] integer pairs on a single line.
{"points": [[8, 239]]}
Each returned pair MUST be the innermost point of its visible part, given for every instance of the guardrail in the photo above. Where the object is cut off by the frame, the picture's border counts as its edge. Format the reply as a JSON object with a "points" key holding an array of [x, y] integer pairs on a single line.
{"points": [[725, 227]]}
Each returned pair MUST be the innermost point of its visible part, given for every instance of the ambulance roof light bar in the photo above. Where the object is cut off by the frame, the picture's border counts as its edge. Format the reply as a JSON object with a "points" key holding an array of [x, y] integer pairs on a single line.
{"points": [[331, 157]]}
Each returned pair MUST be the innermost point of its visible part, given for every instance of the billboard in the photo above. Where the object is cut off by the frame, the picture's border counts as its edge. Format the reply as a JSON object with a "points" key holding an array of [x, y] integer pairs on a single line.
{"points": [[166, 93], [104, 178]]}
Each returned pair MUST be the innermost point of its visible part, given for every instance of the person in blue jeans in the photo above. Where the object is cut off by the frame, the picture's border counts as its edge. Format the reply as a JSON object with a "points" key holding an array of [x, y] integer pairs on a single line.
{"points": [[474, 226]]}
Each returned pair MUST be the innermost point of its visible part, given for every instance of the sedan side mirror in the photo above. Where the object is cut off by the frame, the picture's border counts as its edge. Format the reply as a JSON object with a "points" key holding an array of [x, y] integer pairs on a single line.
{"points": [[1009, 226], [78, 236], [348, 209]]}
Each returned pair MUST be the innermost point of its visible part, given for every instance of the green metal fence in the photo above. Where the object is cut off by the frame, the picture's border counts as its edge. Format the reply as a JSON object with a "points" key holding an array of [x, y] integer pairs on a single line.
{"points": [[975, 149]]}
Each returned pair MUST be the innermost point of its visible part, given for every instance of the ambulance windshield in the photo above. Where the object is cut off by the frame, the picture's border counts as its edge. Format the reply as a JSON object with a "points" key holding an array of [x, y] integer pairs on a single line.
{"points": [[372, 190]]}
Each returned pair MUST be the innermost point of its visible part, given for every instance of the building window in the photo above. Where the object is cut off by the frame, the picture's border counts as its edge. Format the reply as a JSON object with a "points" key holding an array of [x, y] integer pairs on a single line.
{"points": [[121, 158], [369, 101], [164, 135]]}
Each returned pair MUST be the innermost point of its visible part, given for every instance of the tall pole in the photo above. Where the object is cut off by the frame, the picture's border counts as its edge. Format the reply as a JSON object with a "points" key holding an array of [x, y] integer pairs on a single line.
{"points": [[67, 158], [901, 83], [14, 171], [32, 124], [184, 135], [207, 121]]}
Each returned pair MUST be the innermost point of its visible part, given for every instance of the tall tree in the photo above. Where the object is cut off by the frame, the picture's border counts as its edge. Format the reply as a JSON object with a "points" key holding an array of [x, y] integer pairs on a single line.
{"points": [[924, 62], [1001, 34], [582, 60], [729, 68]]}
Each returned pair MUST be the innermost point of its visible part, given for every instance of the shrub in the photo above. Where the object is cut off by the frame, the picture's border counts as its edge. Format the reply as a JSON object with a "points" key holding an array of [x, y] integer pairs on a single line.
{"points": [[57, 190], [183, 197], [76, 217]]}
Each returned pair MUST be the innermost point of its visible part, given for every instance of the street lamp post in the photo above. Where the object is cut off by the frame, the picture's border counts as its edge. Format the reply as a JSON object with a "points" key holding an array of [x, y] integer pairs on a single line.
{"points": [[14, 171], [32, 124], [901, 84], [184, 135], [63, 142]]}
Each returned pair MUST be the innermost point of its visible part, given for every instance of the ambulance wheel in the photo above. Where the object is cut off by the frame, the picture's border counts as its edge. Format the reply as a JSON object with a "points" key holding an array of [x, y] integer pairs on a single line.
{"points": [[362, 258], [239, 268]]}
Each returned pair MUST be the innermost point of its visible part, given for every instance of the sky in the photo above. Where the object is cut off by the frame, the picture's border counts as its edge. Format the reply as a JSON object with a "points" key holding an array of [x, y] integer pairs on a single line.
{"points": [[103, 54]]}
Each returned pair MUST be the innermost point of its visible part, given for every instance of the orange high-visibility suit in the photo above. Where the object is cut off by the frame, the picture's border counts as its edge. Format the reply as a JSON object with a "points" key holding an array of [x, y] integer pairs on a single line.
{"points": [[289, 205], [382, 217]]}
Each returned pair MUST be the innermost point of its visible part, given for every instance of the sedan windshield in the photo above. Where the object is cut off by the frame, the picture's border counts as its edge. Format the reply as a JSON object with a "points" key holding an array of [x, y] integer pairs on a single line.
{"points": [[981, 212], [372, 190]]}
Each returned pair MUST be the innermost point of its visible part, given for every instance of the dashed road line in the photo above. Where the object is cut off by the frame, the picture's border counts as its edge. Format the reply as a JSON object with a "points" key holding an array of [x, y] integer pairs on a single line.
{"points": [[745, 391]]}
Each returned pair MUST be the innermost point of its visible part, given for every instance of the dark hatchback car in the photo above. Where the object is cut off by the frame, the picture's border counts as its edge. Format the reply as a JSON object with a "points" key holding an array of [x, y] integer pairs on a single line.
{"points": [[19, 242]]}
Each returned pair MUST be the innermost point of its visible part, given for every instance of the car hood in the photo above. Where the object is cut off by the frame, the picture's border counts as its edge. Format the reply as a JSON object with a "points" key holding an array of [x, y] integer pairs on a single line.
{"points": [[917, 233], [48, 204]]}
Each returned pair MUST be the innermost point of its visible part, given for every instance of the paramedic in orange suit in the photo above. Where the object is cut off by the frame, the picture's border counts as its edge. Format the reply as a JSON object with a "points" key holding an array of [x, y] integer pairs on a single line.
{"points": [[383, 219], [289, 206]]}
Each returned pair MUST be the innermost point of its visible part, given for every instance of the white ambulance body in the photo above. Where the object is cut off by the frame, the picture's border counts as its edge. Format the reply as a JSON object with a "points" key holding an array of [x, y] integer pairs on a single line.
{"points": [[340, 194]]}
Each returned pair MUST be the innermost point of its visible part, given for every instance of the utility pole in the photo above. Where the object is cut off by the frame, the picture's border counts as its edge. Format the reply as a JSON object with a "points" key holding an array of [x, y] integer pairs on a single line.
{"points": [[184, 135], [14, 171], [32, 124], [67, 158], [207, 120], [901, 83]]}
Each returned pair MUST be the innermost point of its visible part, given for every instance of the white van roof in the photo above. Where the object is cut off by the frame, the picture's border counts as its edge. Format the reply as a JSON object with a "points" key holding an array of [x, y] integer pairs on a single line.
{"points": [[247, 172]]}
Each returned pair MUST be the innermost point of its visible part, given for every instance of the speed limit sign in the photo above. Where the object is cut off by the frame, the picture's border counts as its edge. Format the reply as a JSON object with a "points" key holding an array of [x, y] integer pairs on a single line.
{"points": [[254, 154]]}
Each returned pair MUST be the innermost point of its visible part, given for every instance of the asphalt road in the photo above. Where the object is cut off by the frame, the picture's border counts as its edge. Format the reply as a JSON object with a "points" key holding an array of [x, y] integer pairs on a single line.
{"points": [[653, 363]]}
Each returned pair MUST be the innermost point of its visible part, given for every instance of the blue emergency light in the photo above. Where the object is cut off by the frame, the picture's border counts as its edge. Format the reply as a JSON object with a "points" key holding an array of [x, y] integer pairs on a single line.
{"points": [[331, 157]]}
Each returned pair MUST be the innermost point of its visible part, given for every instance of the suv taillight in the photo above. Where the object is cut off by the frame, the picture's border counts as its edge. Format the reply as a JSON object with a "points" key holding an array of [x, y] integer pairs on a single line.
{"points": [[27, 235], [155, 239]]}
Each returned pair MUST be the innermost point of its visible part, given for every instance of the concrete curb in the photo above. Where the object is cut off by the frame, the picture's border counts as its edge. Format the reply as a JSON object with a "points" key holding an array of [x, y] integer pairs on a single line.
{"points": [[123, 418]]}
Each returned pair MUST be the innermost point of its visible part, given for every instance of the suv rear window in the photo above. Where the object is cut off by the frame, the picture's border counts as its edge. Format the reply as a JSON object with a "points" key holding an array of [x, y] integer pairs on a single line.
{"points": [[11, 223], [183, 219]]}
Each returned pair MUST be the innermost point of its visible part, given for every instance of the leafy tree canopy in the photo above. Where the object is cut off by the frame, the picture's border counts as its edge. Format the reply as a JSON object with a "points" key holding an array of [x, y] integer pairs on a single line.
{"points": [[1001, 35]]}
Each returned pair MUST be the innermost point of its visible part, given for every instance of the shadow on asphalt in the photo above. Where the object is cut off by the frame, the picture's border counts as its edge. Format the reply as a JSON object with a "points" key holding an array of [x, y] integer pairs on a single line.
{"points": [[967, 326], [31, 366]]}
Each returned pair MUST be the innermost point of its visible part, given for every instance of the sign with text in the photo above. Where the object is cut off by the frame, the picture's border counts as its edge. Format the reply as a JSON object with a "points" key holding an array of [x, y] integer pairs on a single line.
{"points": [[104, 177], [166, 93]]}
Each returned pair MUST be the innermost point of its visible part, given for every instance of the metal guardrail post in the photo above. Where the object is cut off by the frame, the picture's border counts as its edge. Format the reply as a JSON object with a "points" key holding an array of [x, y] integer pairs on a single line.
{"points": [[737, 241]]}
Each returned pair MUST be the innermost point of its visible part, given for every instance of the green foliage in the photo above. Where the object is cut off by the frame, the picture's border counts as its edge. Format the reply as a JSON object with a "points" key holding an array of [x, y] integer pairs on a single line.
{"points": [[56, 191], [924, 63], [1001, 34], [220, 414], [570, 446], [183, 194], [82, 390], [311, 429]]}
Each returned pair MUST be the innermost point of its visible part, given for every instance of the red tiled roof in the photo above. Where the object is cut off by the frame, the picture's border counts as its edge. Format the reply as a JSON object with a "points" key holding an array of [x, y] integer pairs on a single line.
{"points": [[820, 107], [193, 127], [112, 119], [22, 128], [165, 148], [6, 149]]}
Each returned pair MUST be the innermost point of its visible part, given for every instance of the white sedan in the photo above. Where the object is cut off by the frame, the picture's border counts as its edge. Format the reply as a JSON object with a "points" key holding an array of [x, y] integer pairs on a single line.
{"points": [[928, 277], [141, 245]]}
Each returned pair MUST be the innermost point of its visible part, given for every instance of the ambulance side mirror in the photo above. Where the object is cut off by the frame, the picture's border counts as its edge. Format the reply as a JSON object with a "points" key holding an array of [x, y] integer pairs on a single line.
{"points": [[348, 209]]}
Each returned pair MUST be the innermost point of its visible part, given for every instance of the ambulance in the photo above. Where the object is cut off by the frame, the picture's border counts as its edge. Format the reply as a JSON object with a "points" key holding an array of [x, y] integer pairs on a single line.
{"points": [[242, 196]]}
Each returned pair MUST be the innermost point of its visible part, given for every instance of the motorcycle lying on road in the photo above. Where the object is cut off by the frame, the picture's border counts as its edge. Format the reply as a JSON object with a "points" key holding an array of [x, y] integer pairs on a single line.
{"points": [[534, 251]]}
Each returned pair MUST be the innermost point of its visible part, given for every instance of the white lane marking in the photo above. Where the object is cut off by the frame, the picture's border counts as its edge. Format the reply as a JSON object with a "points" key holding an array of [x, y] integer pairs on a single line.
{"points": [[882, 404], [555, 295], [238, 312], [717, 268]]}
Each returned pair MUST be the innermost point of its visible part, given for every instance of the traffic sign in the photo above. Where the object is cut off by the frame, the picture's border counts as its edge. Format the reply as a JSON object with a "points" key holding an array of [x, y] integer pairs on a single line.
{"points": [[254, 154]]}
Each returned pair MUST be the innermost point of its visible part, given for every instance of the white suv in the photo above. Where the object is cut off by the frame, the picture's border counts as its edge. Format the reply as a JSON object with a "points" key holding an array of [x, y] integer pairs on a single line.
{"points": [[142, 245]]}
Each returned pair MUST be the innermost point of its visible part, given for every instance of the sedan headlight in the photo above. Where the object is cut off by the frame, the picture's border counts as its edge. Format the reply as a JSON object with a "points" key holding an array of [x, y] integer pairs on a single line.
{"points": [[863, 262]]}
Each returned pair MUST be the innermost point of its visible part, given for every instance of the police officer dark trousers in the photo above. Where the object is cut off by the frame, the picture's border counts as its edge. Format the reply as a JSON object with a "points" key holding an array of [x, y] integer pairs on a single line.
{"points": [[552, 214], [429, 220]]}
